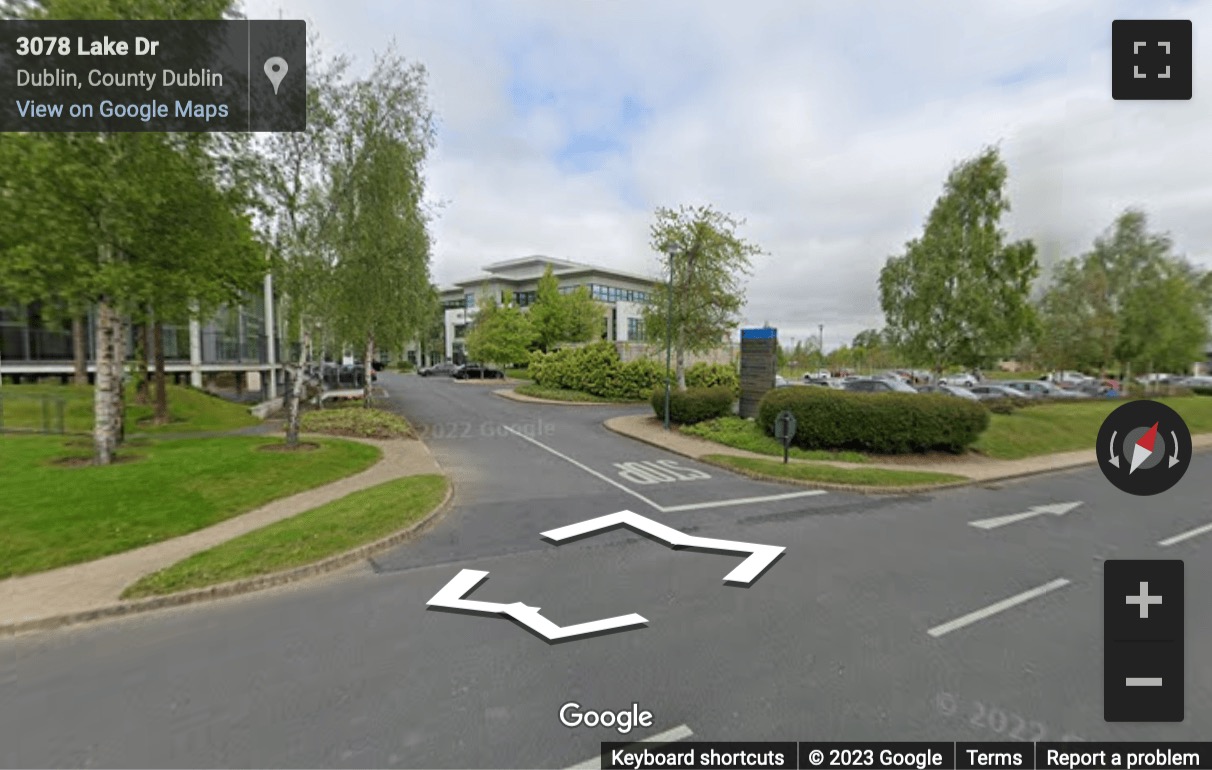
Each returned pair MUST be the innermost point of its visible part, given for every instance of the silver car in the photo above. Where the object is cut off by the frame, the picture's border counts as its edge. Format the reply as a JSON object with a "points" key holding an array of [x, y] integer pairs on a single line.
{"points": [[876, 385], [1044, 389], [949, 390]]}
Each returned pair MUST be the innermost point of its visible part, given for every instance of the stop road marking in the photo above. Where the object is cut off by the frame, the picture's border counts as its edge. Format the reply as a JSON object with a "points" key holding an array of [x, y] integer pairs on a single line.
{"points": [[658, 472]]}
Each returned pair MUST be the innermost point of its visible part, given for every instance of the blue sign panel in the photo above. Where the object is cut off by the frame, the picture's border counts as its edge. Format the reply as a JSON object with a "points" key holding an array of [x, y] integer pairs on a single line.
{"points": [[759, 334]]}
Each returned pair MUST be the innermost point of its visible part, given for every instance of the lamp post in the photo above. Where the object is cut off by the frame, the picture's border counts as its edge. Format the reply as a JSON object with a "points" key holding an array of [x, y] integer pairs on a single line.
{"points": [[669, 337]]}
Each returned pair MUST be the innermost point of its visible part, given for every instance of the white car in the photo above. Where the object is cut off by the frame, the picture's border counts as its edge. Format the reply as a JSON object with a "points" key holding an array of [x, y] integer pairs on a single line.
{"points": [[963, 379]]}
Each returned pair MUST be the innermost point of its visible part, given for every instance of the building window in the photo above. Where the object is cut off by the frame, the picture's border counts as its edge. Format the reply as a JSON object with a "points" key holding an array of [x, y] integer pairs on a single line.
{"points": [[524, 298], [469, 300], [460, 331], [635, 330]]}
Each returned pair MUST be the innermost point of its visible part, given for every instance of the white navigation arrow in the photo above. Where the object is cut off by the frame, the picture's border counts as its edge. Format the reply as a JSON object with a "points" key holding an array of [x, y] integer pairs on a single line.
{"points": [[1114, 457], [451, 598], [1056, 509], [1174, 458], [760, 556]]}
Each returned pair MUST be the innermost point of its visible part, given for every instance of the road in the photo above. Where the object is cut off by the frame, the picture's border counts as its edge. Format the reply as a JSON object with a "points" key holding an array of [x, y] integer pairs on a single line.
{"points": [[834, 642]]}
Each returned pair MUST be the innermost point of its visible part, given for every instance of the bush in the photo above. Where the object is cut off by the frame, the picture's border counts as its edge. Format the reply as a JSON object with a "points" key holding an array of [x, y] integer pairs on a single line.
{"points": [[693, 405], [404, 366], [1004, 405], [884, 423], [1202, 391], [704, 375], [358, 422], [595, 369]]}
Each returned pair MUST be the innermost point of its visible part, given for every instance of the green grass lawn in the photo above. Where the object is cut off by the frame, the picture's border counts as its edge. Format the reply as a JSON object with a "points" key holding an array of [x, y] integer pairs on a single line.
{"points": [[190, 410], [334, 528], [54, 515], [859, 477], [559, 394], [740, 433], [1066, 427], [518, 372]]}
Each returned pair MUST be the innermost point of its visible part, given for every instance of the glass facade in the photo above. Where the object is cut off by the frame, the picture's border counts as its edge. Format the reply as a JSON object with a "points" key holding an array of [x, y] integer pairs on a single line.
{"points": [[469, 299], [616, 294], [525, 298], [635, 330]]}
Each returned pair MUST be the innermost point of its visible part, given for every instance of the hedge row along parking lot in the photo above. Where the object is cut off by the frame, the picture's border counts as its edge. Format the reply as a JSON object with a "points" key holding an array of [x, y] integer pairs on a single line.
{"points": [[883, 423]]}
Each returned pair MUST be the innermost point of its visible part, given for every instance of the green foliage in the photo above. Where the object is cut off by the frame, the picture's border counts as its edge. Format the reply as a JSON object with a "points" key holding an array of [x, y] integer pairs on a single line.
{"points": [[501, 333], [1003, 405], [563, 318], [357, 422], [596, 369], [707, 260], [884, 423], [1202, 391], [740, 433], [705, 375], [405, 366], [1127, 301], [694, 405], [958, 294]]}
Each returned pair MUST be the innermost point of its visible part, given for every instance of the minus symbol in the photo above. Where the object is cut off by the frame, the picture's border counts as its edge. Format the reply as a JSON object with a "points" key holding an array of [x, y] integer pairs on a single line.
{"points": [[1144, 681]]}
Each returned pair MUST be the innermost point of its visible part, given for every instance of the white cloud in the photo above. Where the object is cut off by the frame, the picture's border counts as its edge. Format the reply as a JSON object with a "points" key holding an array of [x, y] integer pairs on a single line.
{"points": [[829, 126]]}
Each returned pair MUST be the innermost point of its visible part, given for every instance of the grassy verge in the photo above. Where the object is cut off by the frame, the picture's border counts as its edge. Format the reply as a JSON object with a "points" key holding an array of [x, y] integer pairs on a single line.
{"points": [[740, 433], [518, 372], [859, 477], [334, 528], [52, 515], [1065, 427], [357, 421], [189, 410], [559, 394]]}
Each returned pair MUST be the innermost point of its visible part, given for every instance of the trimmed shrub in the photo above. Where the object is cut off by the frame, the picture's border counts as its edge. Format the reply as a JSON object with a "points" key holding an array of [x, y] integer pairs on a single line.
{"points": [[884, 423], [595, 369], [693, 405], [404, 366], [704, 375], [1201, 391], [1005, 405]]}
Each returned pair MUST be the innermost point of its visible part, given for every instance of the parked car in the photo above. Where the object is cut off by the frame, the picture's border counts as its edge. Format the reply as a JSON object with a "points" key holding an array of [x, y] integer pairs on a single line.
{"points": [[438, 370], [963, 379], [1044, 389], [478, 372], [949, 390], [819, 374], [988, 392], [1103, 388], [1066, 379], [824, 382], [780, 381], [1198, 381], [877, 385]]}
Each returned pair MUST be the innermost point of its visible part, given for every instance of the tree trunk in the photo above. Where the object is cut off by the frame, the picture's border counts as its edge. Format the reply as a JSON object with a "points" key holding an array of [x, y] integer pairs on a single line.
{"points": [[80, 350], [104, 440], [296, 392], [118, 366], [368, 386], [143, 349], [161, 408]]}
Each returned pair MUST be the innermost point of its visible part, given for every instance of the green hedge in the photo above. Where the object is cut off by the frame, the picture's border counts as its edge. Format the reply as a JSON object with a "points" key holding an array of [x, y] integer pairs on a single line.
{"points": [[693, 405], [704, 375], [1202, 391], [596, 369], [884, 423]]}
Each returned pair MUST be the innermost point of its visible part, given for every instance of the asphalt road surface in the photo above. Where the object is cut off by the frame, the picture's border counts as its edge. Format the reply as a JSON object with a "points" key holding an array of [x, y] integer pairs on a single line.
{"points": [[888, 618]]}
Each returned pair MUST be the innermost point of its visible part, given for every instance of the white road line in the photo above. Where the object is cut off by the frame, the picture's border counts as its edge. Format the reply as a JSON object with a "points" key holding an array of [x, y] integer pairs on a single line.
{"points": [[1186, 535], [997, 607], [585, 468], [741, 501], [669, 736], [664, 508]]}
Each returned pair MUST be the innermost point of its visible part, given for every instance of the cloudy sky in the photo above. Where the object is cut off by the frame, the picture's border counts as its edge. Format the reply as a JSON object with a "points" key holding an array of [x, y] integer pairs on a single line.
{"points": [[828, 125]]}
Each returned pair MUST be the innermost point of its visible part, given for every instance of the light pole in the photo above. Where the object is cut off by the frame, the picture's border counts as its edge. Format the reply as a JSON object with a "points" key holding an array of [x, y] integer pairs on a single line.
{"points": [[669, 336]]}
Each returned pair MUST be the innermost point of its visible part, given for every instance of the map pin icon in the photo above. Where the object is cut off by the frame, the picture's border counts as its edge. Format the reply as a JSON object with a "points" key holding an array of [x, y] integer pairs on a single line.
{"points": [[275, 70]]}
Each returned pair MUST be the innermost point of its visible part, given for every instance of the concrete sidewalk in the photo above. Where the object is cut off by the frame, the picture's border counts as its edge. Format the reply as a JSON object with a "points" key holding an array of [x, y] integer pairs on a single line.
{"points": [[99, 583], [650, 430]]}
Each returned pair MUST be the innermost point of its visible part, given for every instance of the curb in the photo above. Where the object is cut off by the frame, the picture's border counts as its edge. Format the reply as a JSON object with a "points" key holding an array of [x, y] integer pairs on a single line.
{"points": [[971, 482], [238, 587], [520, 397]]}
